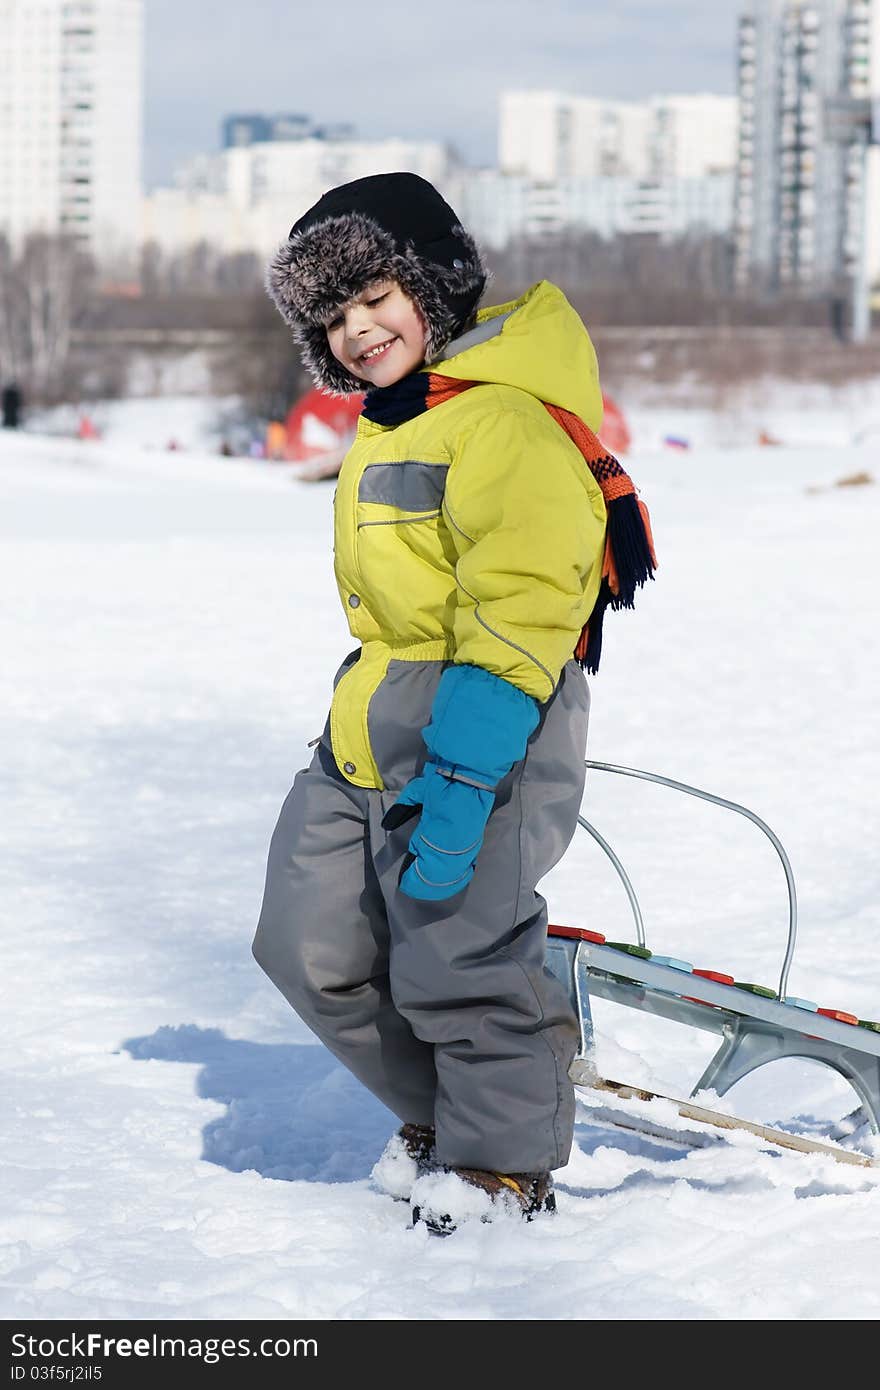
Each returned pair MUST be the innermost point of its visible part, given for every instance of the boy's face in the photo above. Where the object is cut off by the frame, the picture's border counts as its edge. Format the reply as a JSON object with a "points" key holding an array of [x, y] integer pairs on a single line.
{"points": [[379, 335]]}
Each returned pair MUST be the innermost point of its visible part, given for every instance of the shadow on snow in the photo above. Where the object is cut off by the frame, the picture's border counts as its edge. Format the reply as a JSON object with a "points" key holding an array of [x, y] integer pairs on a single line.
{"points": [[292, 1112]]}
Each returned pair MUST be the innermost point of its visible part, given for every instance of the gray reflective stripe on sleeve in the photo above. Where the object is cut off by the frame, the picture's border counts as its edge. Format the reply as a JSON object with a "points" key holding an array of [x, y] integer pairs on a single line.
{"points": [[541, 667], [455, 776], [455, 524], [506, 640], [411, 485]]}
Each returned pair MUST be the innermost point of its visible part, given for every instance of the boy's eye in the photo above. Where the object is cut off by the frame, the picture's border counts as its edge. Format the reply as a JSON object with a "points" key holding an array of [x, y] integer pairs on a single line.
{"points": [[337, 320]]}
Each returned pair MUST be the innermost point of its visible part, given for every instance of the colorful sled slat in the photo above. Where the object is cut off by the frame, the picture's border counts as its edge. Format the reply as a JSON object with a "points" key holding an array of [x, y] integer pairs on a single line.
{"points": [[673, 963], [839, 1014], [869, 1023], [797, 1003], [629, 948], [718, 976], [576, 933], [763, 990]]}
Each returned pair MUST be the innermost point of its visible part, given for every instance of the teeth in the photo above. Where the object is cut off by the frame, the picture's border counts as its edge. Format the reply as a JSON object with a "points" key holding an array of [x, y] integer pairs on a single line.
{"points": [[374, 352]]}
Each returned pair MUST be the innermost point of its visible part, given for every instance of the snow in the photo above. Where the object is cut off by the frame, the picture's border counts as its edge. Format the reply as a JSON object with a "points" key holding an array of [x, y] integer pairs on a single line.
{"points": [[146, 422], [176, 1145]]}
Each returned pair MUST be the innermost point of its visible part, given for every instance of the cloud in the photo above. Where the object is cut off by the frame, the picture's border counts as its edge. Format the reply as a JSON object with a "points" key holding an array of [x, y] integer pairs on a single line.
{"points": [[420, 71]]}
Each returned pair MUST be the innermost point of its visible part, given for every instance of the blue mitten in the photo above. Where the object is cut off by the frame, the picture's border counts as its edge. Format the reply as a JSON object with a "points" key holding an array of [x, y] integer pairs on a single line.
{"points": [[480, 726]]}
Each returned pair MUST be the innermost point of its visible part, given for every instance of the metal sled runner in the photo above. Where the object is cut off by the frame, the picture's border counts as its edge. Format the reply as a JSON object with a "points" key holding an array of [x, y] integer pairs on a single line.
{"points": [[757, 1024]]}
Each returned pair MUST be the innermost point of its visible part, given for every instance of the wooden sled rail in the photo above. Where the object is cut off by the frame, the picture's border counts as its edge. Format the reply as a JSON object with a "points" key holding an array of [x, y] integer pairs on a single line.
{"points": [[700, 1115]]}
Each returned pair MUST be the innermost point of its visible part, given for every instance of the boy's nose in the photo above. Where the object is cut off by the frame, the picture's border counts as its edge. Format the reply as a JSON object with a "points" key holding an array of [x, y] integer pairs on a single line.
{"points": [[357, 322], [356, 332]]}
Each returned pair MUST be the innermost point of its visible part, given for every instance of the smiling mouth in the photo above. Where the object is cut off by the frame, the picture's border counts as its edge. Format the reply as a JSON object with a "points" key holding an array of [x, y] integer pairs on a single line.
{"points": [[374, 353]]}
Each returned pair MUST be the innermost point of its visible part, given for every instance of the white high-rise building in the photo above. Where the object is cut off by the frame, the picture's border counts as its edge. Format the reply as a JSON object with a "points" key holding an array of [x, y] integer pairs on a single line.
{"points": [[498, 208], [692, 136], [30, 116], [71, 122], [547, 136], [808, 190], [664, 166]]}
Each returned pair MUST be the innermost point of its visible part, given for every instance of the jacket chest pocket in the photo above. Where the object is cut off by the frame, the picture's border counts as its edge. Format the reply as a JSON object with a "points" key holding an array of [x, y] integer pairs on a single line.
{"points": [[394, 494], [404, 554]]}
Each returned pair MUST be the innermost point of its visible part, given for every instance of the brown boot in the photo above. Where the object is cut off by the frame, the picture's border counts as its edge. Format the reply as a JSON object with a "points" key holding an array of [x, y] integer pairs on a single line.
{"points": [[409, 1153], [444, 1198]]}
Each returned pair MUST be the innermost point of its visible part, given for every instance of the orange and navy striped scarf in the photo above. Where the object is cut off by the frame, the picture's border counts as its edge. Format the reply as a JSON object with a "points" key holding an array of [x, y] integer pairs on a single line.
{"points": [[629, 558]]}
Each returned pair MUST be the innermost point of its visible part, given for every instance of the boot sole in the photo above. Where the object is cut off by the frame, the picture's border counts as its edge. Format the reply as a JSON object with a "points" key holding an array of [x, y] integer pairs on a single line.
{"points": [[437, 1226]]}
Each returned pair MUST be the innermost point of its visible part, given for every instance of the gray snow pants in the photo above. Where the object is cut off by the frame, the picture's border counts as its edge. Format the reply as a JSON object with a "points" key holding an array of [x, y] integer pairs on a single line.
{"points": [[443, 1010]]}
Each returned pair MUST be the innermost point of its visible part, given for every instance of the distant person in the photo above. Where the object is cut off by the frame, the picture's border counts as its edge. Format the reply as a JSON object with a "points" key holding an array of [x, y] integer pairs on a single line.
{"points": [[474, 559], [276, 440], [11, 406], [86, 428]]}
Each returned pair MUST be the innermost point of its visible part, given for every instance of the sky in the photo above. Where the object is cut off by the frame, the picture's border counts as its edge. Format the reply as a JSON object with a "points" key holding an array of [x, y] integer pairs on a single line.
{"points": [[420, 71], [175, 1144]]}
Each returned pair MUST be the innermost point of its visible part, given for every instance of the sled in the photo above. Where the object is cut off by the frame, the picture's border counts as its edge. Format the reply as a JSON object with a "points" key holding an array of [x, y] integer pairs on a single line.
{"points": [[756, 1024]]}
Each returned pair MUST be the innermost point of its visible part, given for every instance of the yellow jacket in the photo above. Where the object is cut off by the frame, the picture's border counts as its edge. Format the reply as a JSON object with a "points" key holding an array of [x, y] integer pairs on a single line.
{"points": [[475, 531]]}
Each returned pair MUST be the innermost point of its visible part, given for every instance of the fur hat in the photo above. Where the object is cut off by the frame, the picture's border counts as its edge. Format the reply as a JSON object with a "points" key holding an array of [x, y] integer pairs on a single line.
{"points": [[384, 227]]}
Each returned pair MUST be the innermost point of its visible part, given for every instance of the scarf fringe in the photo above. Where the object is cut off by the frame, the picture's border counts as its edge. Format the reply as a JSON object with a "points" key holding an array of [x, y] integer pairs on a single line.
{"points": [[630, 542], [629, 563], [589, 647]]}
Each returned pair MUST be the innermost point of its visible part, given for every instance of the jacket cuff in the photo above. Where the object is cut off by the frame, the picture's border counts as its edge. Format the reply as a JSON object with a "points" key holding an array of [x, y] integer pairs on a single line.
{"points": [[480, 723]]}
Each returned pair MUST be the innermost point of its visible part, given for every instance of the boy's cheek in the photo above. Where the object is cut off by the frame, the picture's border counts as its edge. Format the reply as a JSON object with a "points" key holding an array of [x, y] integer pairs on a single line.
{"points": [[338, 354]]}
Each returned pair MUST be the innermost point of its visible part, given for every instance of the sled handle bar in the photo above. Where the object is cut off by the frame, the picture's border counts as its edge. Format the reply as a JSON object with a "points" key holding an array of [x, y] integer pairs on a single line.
{"points": [[717, 801]]}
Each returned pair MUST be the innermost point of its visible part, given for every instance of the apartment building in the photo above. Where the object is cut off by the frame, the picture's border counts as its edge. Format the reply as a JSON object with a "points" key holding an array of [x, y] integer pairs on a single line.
{"points": [[71, 122], [662, 166], [549, 136], [807, 207]]}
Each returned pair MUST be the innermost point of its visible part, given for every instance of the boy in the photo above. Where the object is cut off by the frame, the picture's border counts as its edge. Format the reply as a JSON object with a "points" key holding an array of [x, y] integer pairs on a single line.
{"points": [[400, 916]]}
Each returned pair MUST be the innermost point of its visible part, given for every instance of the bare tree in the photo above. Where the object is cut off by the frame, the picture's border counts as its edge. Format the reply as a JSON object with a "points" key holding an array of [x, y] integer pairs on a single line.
{"points": [[44, 292], [643, 279], [198, 270], [264, 368], [10, 347]]}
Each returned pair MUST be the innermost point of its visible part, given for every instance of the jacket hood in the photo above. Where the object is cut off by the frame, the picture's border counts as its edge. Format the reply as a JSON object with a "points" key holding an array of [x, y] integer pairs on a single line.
{"points": [[537, 343]]}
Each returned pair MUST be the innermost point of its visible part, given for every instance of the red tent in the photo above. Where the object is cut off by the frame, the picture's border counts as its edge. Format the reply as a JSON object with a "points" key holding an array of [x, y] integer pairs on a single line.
{"points": [[614, 434], [320, 424]]}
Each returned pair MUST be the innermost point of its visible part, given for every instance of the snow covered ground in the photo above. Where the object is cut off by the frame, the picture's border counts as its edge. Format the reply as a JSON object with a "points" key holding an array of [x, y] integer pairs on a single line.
{"points": [[175, 1144]]}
